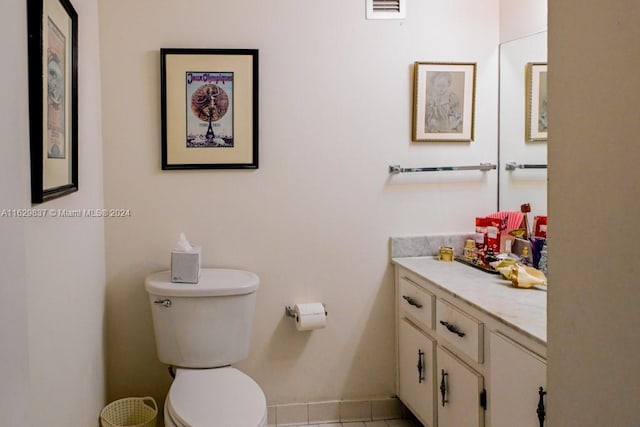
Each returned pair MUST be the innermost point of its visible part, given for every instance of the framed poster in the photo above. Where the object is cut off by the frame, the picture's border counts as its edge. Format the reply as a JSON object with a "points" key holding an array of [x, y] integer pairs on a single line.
{"points": [[443, 101], [209, 108], [536, 102], [53, 98]]}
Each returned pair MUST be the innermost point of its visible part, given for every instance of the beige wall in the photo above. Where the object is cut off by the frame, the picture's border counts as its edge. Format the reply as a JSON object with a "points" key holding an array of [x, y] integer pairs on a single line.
{"points": [[315, 219], [300, 247], [594, 292], [14, 191], [520, 18], [53, 270]]}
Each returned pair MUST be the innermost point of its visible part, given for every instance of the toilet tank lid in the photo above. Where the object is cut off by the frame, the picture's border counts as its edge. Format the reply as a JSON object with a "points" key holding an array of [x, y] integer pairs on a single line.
{"points": [[212, 282]]}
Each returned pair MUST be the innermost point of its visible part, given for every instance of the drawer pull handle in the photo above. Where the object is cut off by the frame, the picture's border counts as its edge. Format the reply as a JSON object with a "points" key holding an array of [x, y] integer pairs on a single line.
{"points": [[541, 411], [421, 366], [411, 301], [443, 387], [452, 328]]}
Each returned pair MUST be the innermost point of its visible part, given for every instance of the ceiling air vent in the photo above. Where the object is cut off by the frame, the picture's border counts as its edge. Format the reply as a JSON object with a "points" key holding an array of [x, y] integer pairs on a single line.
{"points": [[386, 9]]}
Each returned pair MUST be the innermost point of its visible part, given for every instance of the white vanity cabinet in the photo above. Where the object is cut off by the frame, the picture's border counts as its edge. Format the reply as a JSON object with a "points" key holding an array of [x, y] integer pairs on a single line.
{"points": [[461, 392], [416, 370], [517, 384], [459, 362], [416, 349]]}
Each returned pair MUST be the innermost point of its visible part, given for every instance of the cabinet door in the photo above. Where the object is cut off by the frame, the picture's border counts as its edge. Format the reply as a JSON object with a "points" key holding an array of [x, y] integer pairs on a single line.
{"points": [[416, 352], [460, 390], [514, 381]]}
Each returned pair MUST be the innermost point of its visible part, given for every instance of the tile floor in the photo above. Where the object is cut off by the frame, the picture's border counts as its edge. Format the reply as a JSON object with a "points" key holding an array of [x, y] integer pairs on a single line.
{"points": [[382, 423], [379, 412]]}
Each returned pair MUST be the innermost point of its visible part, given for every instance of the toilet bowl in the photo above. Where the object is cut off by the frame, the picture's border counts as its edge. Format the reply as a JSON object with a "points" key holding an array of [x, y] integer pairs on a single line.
{"points": [[219, 397]]}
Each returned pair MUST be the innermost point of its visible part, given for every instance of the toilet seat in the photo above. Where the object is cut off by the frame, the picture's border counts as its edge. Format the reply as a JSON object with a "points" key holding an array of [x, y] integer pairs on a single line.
{"points": [[218, 397]]}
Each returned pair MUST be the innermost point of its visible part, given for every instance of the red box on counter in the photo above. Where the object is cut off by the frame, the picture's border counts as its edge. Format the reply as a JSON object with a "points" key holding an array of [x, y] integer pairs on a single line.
{"points": [[491, 229], [540, 226]]}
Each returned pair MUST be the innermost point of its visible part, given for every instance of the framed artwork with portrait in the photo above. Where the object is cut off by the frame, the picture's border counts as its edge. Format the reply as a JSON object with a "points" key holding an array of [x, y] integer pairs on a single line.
{"points": [[536, 102], [53, 98], [443, 101], [209, 108]]}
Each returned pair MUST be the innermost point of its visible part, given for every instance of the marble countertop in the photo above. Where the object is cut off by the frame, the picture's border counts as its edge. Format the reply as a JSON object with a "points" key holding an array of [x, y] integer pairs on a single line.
{"points": [[522, 309]]}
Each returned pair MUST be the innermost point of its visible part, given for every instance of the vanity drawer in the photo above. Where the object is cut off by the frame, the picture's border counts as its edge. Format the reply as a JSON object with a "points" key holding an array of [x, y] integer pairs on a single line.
{"points": [[416, 302], [460, 329]]}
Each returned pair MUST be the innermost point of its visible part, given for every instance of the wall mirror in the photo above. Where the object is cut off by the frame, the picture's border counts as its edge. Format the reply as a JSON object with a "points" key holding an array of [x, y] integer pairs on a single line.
{"points": [[522, 176]]}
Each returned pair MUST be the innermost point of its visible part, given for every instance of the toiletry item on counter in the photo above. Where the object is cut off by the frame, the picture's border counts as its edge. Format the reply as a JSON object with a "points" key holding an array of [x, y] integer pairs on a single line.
{"points": [[525, 208], [490, 229], [542, 263], [490, 256], [537, 243], [445, 253], [522, 250], [522, 276], [470, 253], [480, 247], [524, 256], [540, 226], [512, 220]]}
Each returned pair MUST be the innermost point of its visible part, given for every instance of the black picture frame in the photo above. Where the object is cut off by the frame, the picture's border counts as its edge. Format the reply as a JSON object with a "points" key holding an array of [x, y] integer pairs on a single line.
{"points": [[52, 27], [209, 108]]}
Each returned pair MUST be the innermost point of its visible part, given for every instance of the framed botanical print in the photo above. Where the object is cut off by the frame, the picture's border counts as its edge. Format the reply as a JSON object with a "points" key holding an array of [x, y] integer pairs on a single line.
{"points": [[209, 108], [443, 101]]}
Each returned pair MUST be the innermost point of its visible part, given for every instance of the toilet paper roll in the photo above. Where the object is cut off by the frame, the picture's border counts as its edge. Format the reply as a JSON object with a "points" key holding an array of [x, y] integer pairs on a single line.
{"points": [[310, 316]]}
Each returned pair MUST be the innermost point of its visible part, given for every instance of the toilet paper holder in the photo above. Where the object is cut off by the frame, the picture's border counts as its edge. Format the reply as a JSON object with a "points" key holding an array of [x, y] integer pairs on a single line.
{"points": [[289, 312]]}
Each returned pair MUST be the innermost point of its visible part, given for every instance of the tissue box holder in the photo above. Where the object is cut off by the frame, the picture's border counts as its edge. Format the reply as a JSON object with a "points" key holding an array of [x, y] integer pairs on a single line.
{"points": [[185, 266]]}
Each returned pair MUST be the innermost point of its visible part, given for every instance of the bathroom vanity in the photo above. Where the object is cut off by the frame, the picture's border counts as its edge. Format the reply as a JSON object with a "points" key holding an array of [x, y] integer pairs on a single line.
{"points": [[471, 349]]}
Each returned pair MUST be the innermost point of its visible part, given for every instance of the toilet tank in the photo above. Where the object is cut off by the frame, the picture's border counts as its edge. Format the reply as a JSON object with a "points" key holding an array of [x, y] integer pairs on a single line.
{"points": [[203, 325]]}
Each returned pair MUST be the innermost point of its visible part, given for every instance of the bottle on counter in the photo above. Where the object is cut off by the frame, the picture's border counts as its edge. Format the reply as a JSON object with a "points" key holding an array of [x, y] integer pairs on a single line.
{"points": [[542, 264], [470, 252], [524, 256]]}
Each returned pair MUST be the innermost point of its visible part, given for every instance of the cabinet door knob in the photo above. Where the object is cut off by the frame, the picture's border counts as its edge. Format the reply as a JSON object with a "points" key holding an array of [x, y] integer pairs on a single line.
{"points": [[541, 410], [421, 366], [443, 387], [411, 301], [452, 328]]}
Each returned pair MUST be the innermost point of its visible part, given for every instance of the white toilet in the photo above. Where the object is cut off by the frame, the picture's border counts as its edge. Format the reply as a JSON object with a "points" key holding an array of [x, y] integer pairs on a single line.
{"points": [[201, 329]]}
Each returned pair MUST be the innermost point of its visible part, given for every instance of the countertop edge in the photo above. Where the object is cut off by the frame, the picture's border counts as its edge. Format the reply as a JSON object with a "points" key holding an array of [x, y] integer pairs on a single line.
{"points": [[409, 264]]}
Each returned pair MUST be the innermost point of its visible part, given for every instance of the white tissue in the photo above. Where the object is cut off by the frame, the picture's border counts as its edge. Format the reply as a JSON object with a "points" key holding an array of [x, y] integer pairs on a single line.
{"points": [[183, 244], [185, 261]]}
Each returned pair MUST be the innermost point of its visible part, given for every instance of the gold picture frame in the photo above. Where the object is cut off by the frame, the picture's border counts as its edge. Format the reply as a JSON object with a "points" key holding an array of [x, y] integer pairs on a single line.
{"points": [[536, 102], [443, 101]]}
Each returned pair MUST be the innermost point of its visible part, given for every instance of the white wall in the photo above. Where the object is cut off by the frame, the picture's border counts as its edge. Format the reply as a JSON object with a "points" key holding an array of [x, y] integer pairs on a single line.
{"points": [[593, 349], [14, 193], [315, 219], [519, 18], [53, 269]]}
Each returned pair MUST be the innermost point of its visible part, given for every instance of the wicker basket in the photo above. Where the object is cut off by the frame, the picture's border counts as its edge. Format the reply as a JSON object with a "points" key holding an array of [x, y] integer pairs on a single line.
{"points": [[130, 412]]}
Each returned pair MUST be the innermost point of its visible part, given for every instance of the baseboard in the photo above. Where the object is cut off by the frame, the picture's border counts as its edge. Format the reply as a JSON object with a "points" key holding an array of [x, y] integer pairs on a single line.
{"points": [[336, 411]]}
